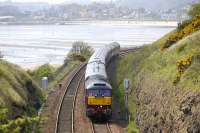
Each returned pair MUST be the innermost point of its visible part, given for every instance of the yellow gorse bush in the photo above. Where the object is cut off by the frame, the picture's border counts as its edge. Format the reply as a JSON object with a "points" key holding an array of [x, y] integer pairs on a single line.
{"points": [[179, 34], [182, 65]]}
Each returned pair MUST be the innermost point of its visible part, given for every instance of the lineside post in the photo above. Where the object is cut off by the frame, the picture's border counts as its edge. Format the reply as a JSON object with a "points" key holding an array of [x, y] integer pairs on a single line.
{"points": [[60, 86], [126, 87]]}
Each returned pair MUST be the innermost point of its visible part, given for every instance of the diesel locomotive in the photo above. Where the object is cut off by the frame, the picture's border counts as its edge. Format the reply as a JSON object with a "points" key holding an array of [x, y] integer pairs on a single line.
{"points": [[98, 91]]}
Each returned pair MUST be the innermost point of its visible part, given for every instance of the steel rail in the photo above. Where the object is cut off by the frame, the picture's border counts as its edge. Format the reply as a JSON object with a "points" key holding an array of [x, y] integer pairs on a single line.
{"points": [[74, 103], [95, 130], [64, 94]]}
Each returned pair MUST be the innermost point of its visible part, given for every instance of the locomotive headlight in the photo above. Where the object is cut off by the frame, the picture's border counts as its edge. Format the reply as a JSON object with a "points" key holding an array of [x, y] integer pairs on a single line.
{"points": [[101, 106]]}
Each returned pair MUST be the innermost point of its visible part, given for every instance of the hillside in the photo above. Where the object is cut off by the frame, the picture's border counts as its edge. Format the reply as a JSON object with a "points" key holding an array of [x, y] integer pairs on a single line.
{"points": [[165, 83], [156, 4], [18, 92]]}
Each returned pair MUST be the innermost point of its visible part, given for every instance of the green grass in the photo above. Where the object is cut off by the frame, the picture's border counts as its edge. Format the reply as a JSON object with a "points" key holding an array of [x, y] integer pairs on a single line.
{"points": [[62, 71], [13, 88], [132, 127], [151, 69], [129, 67]]}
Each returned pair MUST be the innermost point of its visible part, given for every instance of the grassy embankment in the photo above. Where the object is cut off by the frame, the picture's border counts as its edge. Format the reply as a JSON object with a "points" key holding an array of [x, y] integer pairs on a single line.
{"points": [[165, 82], [20, 97]]}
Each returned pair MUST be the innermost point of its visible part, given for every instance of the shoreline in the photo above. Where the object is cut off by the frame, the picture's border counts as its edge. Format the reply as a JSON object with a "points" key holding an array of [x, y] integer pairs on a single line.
{"points": [[32, 46], [103, 22]]}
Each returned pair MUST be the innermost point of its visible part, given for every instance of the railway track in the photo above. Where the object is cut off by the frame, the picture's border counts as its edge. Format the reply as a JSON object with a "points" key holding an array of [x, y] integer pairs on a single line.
{"points": [[64, 121], [124, 52], [100, 128], [65, 116]]}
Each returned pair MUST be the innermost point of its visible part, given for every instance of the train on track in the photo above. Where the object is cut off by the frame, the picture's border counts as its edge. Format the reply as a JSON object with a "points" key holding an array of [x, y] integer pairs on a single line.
{"points": [[98, 91]]}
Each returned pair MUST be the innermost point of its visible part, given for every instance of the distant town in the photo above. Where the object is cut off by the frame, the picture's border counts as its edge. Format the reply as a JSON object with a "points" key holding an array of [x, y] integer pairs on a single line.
{"points": [[44, 13]]}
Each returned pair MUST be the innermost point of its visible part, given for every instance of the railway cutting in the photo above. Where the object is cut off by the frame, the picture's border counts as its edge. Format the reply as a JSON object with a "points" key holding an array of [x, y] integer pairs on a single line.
{"points": [[65, 117]]}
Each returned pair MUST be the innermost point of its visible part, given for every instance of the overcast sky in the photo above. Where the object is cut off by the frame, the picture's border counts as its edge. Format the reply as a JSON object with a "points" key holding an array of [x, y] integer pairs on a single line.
{"points": [[57, 1]]}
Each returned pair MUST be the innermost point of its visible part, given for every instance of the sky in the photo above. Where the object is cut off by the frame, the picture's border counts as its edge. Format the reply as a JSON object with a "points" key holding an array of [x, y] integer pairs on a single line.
{"points": [[58, 1]]}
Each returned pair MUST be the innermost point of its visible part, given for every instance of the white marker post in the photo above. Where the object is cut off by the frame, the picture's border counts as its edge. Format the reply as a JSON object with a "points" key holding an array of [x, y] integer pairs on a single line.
{"points": [[45, 82], [126, 87]]}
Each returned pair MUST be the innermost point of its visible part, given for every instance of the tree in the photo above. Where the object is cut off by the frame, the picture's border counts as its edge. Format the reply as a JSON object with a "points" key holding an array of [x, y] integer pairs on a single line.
{"points": [[45, 70], [80, 51], [194, 10]]}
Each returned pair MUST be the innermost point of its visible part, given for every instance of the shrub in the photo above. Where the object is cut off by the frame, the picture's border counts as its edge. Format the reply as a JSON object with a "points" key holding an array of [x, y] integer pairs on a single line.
{"points": [[184, 30], [45, 70], [77, 57], [22, 124], [172, 39], [80, 51], [194, 10], [183, 24], [19, 125], [182, 65]]}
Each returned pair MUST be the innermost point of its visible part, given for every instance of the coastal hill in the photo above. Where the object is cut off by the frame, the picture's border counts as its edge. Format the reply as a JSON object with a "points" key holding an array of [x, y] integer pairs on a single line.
{"points": [[156, 4]]}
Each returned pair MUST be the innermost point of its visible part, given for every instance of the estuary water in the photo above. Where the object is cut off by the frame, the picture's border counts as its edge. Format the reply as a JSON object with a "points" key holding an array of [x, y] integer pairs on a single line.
{"points": [[34, 45]]}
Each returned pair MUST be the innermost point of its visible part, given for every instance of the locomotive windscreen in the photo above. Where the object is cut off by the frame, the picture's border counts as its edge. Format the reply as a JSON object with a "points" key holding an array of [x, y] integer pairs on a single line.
{"points": [[99, 92]]}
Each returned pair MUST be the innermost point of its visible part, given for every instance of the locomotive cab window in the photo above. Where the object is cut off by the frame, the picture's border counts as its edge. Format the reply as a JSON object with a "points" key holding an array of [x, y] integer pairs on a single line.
{"points": [[99, 92]]}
